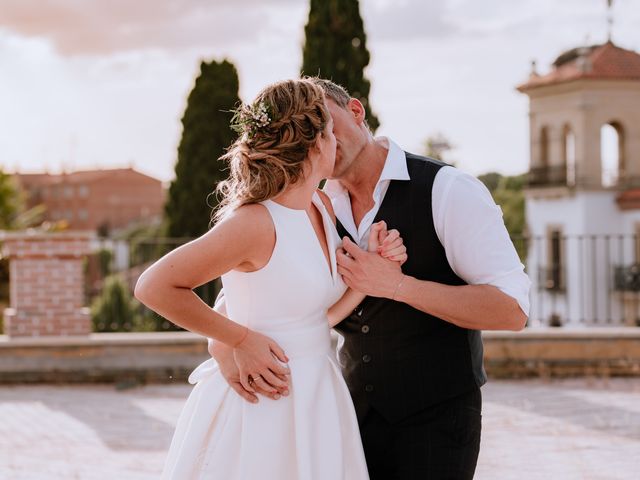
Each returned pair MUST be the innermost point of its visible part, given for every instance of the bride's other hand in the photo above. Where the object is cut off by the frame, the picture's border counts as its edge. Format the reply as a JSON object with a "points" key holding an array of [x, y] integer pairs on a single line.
{"points": [[387, 243], [223, 355], [393, 247], [377, 234], [258, 359]]}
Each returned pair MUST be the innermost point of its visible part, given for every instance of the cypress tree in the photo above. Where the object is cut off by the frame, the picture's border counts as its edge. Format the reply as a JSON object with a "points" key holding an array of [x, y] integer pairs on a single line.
{"points": [[335, 48], [205, 136]]}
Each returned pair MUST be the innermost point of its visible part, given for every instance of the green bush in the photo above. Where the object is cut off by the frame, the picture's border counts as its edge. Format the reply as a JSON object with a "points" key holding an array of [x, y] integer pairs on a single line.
{"points": [[114, 310], [105, 257], [150, 321]]}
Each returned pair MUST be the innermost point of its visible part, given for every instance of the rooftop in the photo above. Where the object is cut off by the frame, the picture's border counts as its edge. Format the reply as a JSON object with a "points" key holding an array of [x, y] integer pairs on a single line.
{"points": [[597, 62], [80, 176]]}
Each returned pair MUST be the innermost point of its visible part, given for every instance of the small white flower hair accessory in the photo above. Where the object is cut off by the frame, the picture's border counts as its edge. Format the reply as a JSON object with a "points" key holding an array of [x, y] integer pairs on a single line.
{"points": [[250, 119]]}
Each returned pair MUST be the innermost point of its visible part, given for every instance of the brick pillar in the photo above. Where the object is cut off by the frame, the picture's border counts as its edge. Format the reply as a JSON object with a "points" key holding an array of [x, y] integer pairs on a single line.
{"points": [[47, 283]]}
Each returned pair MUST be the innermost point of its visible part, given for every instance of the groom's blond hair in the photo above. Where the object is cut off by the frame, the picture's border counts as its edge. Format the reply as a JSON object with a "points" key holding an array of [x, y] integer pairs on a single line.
{"points": [[332, 91], [335, 92]]}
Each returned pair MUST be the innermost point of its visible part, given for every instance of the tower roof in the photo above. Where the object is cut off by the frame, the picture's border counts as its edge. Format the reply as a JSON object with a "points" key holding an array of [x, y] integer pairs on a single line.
{"points": [[597, 62]]}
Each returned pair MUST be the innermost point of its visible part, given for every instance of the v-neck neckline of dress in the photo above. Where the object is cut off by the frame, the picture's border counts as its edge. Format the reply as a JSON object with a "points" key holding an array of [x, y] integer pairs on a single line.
{"points": [[326, 223]]}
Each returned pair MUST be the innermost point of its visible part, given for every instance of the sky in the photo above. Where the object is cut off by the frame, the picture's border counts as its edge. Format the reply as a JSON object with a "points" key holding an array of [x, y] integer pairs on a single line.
{"points": [[103, 84]]}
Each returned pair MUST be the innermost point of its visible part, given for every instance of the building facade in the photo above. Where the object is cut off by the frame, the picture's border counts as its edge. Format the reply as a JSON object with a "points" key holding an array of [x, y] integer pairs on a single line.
{"points": [[583, 193], [103, 200]]}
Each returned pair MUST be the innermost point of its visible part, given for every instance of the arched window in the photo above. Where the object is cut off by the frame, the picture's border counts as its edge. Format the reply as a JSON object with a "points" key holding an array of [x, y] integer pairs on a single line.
{"points": [[612, 153], [544, 147], [569, 154], [540, 173]]}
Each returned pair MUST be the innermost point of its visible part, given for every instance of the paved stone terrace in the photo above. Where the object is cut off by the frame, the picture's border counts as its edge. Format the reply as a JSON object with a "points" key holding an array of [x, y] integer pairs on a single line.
{"points": [[571, 429]]}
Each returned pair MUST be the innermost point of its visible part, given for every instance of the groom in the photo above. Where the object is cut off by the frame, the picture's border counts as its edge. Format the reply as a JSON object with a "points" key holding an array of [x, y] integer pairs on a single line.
{"points": [[411, 353]]}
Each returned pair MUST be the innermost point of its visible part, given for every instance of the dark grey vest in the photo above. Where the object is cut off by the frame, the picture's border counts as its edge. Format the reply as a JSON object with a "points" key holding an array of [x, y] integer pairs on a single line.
{"points": [[395, 358]]}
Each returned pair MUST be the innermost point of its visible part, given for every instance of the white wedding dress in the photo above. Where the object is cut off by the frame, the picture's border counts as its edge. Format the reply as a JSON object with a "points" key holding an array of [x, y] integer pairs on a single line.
{"points": [[313, 433]]}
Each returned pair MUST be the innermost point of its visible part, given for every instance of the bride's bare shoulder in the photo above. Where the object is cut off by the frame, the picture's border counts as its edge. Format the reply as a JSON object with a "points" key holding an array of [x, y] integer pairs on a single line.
{"points": [[251, 229], [252, 216]]}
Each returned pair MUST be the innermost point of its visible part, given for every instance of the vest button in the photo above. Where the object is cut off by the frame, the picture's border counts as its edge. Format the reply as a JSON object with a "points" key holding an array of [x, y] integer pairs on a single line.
{"points": [[365, 329], [368, 388], [366, 358]]}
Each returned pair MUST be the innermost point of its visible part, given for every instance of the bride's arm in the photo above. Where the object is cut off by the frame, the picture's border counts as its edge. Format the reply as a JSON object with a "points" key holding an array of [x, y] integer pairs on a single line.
{"points": [[219, 306], [243, 241], [167, 286], [343, 307]]}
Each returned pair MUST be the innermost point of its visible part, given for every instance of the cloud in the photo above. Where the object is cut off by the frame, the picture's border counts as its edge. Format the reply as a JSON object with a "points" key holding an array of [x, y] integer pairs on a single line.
{"points": [[106, 26], [407, 19]]}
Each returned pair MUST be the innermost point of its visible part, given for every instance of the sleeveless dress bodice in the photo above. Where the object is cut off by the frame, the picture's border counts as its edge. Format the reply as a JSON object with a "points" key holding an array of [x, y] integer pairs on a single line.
{"points": [[289, 297]]}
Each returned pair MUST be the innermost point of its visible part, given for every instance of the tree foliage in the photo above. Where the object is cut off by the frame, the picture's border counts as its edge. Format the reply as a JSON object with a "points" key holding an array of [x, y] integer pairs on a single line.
{"points": [[206, 135], [507, 191], [335, 48], [14, 214], [436, 146], [11, 201]]}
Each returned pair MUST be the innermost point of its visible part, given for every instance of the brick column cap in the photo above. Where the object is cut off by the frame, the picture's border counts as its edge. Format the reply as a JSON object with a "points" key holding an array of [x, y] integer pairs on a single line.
{"points": [[35, 244], [32, 234]]}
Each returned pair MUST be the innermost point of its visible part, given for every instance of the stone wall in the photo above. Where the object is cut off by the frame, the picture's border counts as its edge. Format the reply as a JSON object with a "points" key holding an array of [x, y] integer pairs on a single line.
{"points": [[560, 352], [131, 358]]}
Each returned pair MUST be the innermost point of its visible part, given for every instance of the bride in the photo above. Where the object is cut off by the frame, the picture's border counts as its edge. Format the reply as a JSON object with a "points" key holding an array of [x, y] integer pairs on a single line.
{"points": [[274, 244]]}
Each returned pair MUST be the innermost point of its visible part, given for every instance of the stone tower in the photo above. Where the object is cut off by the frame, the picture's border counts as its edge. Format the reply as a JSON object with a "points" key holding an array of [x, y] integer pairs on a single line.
{"points": [[587, 88], [583, 189]]}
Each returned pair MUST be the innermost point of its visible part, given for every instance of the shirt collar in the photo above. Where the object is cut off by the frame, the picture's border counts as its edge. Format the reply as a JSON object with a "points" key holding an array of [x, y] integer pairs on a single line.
{"points": [[395, 168]]}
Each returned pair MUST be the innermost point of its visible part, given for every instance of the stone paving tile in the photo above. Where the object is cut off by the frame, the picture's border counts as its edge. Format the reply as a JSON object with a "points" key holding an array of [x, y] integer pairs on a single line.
{"points": [[572, 429]]}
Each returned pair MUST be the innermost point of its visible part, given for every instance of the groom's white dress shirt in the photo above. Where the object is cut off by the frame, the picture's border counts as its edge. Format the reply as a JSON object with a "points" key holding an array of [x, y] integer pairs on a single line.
{"points": [[467, 221]]}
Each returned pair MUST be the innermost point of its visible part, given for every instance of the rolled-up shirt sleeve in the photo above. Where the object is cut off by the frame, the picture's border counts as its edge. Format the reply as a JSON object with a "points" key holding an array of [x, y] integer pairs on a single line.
{"points": [[469, 225]]}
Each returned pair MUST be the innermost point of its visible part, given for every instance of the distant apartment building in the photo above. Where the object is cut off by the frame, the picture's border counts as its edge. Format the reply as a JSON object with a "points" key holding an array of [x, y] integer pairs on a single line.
{"points": [[104, 200]]}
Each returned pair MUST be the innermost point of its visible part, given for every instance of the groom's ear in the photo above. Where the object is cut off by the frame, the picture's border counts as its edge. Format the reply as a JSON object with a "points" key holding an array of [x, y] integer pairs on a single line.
{"points": [[357, 110]]}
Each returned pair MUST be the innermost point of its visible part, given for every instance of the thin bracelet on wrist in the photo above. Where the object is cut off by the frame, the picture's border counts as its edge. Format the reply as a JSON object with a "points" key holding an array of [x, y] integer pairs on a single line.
{"points": [[246, 332], [395, 292]]}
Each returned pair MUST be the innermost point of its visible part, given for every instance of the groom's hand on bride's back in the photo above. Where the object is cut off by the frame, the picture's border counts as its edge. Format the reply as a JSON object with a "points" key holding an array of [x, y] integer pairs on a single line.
{"points": [[229, 369], [223, 355]]}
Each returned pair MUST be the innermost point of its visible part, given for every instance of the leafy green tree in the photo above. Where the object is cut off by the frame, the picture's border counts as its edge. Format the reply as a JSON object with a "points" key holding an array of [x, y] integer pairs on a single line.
{"points": [[490, 180], [507, 191], [435, 146], [11, 201], [335, 48], [13, 212], [206, 135], [512, 203]]}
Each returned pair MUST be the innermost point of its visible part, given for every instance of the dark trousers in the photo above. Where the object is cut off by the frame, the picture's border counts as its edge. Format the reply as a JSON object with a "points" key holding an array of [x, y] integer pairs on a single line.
{"points": [[438, 443]]}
